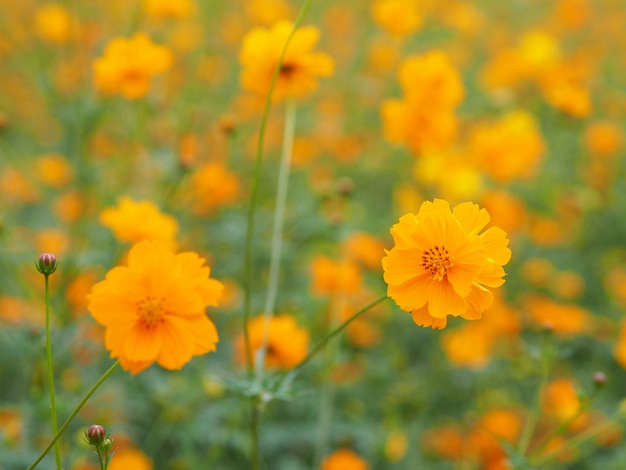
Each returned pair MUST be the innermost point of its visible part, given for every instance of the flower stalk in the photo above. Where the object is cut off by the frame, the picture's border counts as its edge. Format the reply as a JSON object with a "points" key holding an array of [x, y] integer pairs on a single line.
{"points": [[71, 417]]}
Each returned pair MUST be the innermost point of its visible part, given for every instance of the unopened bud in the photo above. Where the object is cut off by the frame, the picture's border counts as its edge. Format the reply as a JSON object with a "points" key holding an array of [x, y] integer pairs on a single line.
{"points": [[96, 435], [599, 379], [46, 264], [107, 444]]}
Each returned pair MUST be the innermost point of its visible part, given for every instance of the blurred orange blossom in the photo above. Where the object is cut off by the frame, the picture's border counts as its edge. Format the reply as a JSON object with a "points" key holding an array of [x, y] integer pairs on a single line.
{"points": [[301, 66]]}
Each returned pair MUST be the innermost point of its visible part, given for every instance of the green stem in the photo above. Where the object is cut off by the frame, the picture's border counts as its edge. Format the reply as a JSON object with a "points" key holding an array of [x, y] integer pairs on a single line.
{"points": [[277, 229], [320, 345], [74, 413], [53, 408]]}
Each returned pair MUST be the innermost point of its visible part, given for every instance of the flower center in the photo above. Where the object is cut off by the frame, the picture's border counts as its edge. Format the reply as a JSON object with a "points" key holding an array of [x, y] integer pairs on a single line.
{"points": [[437, 260], [150, 311], [287, 70]]}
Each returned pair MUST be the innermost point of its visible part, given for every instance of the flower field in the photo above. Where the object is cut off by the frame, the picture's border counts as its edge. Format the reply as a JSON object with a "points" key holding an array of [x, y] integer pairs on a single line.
{"points": [[284, 235]]}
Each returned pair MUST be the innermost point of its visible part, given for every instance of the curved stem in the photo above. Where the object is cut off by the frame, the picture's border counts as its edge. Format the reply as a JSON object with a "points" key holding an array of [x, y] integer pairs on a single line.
{"points": [[320, 345], [74, 413], [53, 408]]}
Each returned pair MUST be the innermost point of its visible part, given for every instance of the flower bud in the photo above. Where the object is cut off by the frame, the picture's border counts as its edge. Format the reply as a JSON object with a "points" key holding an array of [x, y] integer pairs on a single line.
{"points": [[96, 435], [599, 379], [107, 444], [46, 264]]}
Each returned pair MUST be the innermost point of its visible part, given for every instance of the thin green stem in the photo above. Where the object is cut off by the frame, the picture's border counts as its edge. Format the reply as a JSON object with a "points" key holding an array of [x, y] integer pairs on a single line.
{"points": [[320, 345], [74, 413], [53, 408], [277, 229], [247, 278]]}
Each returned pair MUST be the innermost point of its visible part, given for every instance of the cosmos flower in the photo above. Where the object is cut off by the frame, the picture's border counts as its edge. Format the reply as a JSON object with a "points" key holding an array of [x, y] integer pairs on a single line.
{"points": [[442, 265], [301, 66], [154, 308]]}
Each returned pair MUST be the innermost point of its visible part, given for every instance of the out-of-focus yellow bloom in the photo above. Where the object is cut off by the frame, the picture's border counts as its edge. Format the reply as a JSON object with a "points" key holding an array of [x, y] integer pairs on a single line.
{"points": [[509, 148], [563, 319], [603, 138], [69, 206], [128, 65], [396, 446], [213, 186], [133, 221], [161, 9], [452, 174], [127, 459], [507, 211], [15, 186], [538, 52], [619, 349], [287, 343], [53, 23], [52, 240], [53, 170], [399, 17], [424, 119], [268, 11], [261, 49], [560, 399], [344, 459], [11, 425], [364, 249], [330, 277]]}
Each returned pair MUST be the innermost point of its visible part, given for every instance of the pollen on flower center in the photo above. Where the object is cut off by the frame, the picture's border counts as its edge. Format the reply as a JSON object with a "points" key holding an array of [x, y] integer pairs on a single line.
{"points": [[437, 260], [150, 311]]}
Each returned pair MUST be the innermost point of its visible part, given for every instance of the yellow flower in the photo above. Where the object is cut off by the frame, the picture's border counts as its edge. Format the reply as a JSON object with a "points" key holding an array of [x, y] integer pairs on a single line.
{"points": [[399, 17], [331, 277], [53, 170], [128, 65], [441, 265], [424, 119], [301, 66], [130, 459], [133, 221], [53, 23], [344, 459], [212, 186], [509, 148], [154, 308], [160, 9], [287, 343]]}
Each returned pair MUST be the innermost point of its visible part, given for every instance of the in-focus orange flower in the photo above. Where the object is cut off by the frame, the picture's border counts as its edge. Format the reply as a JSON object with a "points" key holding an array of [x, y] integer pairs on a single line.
{"points": [[287, 343], [301, 66], [133, 221], [128, 65], [344, 459], [154, 308], [441, 265]]}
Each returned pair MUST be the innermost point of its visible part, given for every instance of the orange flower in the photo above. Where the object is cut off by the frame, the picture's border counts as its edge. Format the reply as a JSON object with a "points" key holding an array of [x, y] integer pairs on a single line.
{"points": [[133, 221], [560, 399], [399, 17], [287, 343], [344, 459], [441, 265], [301, 66], [330, 277], [154, 308], [53, 23], [424, 119], [129, 458], [509, 148], [53, 170], [128, 65], [563, 319], [162, 9], [213, 186], [619, 349], [364, 249]]}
